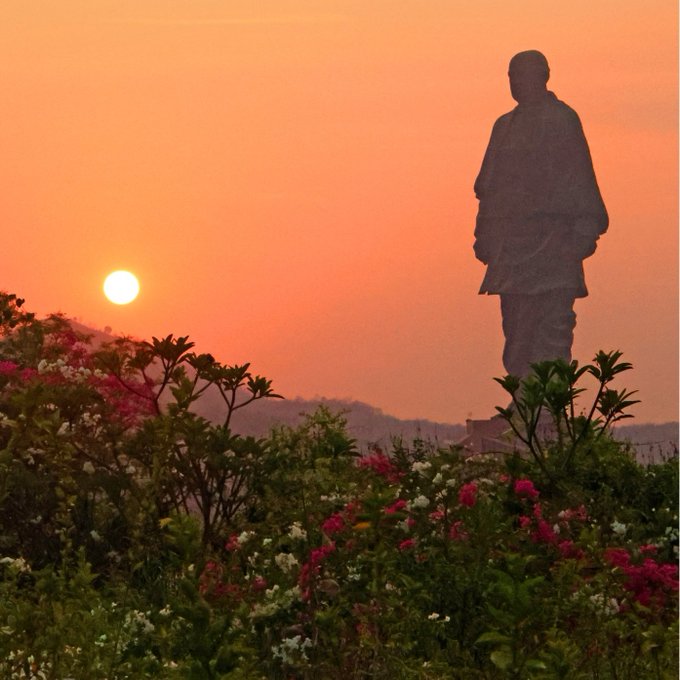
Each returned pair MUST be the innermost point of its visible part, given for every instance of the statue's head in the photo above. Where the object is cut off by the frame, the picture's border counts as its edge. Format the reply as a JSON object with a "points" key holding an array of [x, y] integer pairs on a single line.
{"points": [[528, 73]]}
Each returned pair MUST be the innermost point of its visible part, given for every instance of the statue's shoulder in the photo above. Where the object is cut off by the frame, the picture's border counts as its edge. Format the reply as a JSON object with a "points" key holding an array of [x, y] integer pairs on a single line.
{"points": [[563, 113], [503, 122]]}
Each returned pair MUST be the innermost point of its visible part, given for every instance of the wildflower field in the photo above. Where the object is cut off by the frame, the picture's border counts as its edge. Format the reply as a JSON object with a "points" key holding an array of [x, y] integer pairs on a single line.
{"points": [[138, 540]]}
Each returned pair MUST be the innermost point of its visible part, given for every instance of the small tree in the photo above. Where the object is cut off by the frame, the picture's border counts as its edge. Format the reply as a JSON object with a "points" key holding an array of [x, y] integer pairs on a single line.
{"points": [[543, 413]]}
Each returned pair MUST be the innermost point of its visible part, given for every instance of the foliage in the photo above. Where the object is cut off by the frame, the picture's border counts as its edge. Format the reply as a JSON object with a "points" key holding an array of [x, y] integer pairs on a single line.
{"points": [[546, 400], [140, 540]]}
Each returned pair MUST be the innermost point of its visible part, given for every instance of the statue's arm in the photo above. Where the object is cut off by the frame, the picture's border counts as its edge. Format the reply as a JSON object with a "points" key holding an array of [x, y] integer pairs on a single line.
{"points": [[484, 238], [590, 214]]}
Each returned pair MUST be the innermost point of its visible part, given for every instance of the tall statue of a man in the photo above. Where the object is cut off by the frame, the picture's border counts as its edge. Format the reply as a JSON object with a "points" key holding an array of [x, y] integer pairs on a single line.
{"points": [[540, 215]]}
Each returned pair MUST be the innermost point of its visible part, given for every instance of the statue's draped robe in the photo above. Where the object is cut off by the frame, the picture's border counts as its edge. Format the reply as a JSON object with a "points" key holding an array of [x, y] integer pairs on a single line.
{"points": [[537, 196]]}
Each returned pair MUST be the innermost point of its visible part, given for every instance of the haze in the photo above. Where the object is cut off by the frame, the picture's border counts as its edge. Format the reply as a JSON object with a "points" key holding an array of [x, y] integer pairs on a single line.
{"points": [[292, 182]]}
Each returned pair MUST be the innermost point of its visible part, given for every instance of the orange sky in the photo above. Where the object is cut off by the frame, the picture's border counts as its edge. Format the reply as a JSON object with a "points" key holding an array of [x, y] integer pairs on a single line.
{"points": [[292, 181]]}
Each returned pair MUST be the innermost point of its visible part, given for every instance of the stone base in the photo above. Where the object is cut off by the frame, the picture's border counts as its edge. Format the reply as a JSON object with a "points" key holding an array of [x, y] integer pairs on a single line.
{"points": [[492, 435]]}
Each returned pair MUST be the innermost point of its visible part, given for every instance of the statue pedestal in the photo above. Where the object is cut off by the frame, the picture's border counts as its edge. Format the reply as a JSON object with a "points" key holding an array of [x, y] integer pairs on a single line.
{"points": [[492, 435]]}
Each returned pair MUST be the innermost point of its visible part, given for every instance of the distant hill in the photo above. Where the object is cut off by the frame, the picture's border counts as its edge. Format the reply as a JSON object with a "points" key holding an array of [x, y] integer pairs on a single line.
{"points": [[370, 426], [365, 423]]}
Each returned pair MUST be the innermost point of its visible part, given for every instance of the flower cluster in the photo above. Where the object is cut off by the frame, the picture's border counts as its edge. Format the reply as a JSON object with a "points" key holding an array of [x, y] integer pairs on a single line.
{"points": [[382, 465]]}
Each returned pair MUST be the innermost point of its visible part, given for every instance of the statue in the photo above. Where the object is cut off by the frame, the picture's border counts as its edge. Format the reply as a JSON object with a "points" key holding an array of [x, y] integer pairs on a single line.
{"points": [[540, 215]]}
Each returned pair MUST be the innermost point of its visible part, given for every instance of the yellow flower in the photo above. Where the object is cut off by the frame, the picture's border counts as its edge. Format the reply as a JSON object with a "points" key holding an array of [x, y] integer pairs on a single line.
{"points": [[360, 526]]}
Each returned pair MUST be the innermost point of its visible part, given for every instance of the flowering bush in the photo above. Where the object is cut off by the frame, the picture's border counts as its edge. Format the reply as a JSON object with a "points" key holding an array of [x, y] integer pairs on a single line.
{"points": [[139, 540]]}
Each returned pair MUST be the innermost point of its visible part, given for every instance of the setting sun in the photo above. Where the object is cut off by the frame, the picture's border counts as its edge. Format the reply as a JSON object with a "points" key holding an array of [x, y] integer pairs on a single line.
{"points": [[121, 287]]}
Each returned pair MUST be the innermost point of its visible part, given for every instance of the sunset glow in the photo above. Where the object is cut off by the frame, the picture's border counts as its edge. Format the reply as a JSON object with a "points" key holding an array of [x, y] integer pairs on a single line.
{"points": [[292, 180]]}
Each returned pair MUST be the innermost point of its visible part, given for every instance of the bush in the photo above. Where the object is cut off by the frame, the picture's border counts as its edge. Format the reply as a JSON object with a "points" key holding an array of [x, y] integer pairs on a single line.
{"points": [[140, 540]]}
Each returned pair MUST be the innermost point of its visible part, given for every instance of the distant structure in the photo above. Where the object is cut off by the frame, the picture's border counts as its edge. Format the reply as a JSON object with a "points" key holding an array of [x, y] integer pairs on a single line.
{"points": [[540, 215]]}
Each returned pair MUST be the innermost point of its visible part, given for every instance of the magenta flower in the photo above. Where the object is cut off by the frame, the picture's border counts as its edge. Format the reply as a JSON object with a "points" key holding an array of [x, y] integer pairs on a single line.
{"points": [[8, 368], [648, 549], [312, 566], [650, 582], [524, 521], [468, 494], [456, 531], [525, 488], [333, 524], [381, 465], [407, 544], [398, 505], [617, 557], [569, 551], [544, 533], [259, 584], [232, 544]]}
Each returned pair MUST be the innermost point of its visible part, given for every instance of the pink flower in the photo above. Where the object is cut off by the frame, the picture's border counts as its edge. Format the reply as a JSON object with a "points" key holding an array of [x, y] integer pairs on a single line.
{"points": [[259, 584], [580, 514], [333, 524], [617, 557], [312, 566], [524, 488], [648, 549], [436, 515], [569, 551], [524, 521], [544, 533], [8, 368], [232, 544], [407, 544], [398, 505], [468, 494], [456, 531], [28, 374], [650, 582], [381, 465]]}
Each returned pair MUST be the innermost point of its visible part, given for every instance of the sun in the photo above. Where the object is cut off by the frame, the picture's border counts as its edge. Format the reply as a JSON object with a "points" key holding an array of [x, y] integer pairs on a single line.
{"points": [[121, 287]]}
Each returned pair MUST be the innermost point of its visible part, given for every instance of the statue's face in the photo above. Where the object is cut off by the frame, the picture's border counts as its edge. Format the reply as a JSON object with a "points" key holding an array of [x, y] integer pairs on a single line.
{"points": [[527, 82]]}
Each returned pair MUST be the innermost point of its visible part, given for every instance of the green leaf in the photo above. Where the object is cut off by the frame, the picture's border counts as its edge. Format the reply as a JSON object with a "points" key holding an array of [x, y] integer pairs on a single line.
{"points": [[502, 658], [492, 636]]}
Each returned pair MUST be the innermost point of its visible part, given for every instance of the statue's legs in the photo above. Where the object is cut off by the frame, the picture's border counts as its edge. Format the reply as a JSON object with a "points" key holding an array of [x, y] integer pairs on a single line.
{"points": [[537, 328]]}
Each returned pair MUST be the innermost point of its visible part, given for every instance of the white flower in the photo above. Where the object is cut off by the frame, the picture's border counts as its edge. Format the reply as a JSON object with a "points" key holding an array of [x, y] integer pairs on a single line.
{"points": [[608, 606], [18, 564], [270, 592], [433, 616], [266, 541], [88, 467], [285, 561], [421, 467], [419, 502], [297, 532], [245, 536], [438, 478], [290, 648], [618, 528]]}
